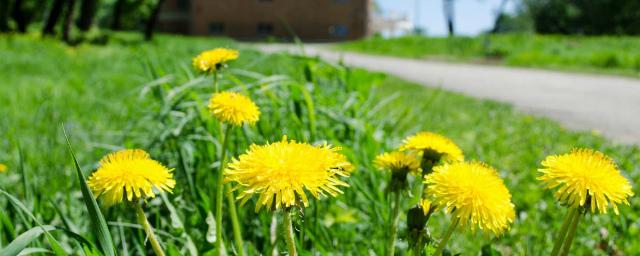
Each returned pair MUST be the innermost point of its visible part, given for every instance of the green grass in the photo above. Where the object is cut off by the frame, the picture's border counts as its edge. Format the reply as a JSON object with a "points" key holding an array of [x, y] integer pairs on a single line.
{"points": [[131, 94], [603, 54]]}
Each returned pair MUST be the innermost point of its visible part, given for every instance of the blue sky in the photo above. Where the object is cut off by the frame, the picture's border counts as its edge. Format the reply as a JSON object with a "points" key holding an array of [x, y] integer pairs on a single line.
{"points": [[471, 16]]}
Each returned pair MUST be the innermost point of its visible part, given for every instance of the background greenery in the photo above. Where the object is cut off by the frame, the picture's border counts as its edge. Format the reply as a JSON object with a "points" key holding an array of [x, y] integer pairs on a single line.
{"points": [[133, 94], [601, 54]]}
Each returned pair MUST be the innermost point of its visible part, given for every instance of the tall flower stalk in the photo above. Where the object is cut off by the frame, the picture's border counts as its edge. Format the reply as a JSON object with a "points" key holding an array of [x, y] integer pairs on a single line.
{"points": [[287, 228], [281, 174], [445, 238], [231, 109], [563, 231], [587, 181], [142, 220], [400, 165], [228, 108], [434, 150], [131, 175], [220, 192]]}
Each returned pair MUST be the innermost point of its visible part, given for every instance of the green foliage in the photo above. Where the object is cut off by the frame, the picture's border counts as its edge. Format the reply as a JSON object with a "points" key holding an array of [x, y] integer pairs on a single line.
{"points": [[590, 17], [609, 55], [128, 94]]}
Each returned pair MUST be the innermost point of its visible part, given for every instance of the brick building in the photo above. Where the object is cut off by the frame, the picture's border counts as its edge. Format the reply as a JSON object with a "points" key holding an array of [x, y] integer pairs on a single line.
{"points": [[310, 20]]}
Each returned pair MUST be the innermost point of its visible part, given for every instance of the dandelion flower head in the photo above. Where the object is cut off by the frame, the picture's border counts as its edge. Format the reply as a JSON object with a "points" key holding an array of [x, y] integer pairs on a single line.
{"points": [[475, 195], [129, 175], [3, 168], [213, 59], [426, 204], [428, 141], [398, 162], [586, 178], [281, 173], [233, 108]]}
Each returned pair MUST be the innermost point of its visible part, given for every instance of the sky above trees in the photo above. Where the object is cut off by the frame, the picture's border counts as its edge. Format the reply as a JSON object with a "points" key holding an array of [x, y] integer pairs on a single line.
{"points": [[471, 16]]}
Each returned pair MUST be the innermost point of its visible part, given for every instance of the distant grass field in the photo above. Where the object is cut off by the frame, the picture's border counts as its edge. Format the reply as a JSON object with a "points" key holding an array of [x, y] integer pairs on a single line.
{"points": [[131, 94], [610, 55]]}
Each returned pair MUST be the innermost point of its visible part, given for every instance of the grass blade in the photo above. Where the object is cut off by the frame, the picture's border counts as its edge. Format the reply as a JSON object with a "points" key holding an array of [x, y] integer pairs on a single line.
{"points": [[23, 240], [52, 241], [98, 222]]}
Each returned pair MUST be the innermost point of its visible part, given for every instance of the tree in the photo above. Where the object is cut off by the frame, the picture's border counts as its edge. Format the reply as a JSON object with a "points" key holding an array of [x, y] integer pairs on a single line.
{"points": [[68, 21], [118, 9], [448, 14], [153, 20], [19, 16], [88, 9], [590, 17], [497, 25], [4, 15], [52, 18]]}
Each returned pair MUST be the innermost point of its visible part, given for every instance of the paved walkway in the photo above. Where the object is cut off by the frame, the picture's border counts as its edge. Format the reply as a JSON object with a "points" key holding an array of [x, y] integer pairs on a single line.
{"points": [[579, 101]]}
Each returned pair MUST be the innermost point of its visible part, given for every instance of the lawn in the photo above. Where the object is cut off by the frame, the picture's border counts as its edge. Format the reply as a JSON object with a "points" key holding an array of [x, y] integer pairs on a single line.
{"points": [[601, 54], [130, 94]]}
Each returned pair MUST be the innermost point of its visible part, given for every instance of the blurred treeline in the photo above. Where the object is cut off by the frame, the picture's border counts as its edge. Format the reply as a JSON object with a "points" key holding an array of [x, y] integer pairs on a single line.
{"points": [[78, 20], [585, 17]]}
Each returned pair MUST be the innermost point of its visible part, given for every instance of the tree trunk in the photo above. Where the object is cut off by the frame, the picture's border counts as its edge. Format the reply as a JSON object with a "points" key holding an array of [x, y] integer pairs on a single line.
{"points": [[118, 7], [153, 20], [448, 14], [68, 21], [52, 17], [498, 22], [4, 15], [88, 10], [19, 16]]}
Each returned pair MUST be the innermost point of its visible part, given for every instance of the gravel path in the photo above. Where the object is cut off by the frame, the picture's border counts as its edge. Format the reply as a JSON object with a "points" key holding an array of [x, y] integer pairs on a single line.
{"points": [[608, 104]]}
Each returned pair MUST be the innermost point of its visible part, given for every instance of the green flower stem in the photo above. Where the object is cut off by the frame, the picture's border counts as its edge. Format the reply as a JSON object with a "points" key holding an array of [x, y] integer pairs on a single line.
{"points": [[287, 227], [563, 231], [572, 232], [417, 250], [142, 220], [215, 81], [427, 163], [219, 192], [446, 237], [237, 232], [393, 225]]}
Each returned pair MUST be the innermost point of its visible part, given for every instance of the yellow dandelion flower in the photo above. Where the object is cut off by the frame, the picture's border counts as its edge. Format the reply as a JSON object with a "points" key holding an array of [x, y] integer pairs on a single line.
{"points": [[234, 108], [3, 168], [436, 143], [400, 164], [398, 161], [426, 204], [586, 178], [212, 60], [130, 175], [281, 173], [474, 193]]}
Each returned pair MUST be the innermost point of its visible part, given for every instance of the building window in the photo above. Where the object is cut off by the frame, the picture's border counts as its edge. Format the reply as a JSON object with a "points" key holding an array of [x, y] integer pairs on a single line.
{"points": [[216, 28], [264, 29], [339, 30]]}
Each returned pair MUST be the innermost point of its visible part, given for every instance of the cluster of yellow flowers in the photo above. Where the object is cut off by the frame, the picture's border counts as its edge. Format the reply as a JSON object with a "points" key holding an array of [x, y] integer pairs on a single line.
{"points": [[281, 174], [475, 195]]}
